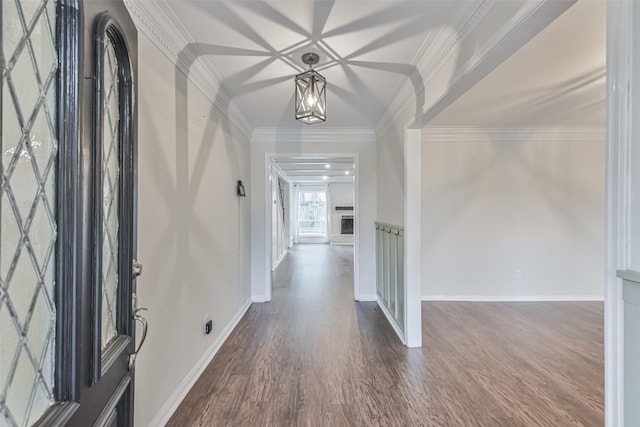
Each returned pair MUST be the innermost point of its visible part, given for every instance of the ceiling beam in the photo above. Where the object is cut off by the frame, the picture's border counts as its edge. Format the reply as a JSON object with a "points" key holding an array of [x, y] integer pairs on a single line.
{"points": [[526, 23]]}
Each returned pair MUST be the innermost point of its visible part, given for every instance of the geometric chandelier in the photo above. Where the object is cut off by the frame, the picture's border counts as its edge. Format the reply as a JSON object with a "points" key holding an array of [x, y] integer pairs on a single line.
{"points": [[311, 95]]}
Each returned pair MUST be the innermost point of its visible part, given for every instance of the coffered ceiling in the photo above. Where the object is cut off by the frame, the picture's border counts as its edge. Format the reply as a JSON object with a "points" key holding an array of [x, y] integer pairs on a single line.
{"points": [[317, 169]]}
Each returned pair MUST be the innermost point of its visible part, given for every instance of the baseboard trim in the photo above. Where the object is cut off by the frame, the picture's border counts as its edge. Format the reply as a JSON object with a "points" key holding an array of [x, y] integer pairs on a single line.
{"points": [[279, 260], [525, 298], [170, 406], [258, 298], [391, 320], [341, 239], [367, 298]]}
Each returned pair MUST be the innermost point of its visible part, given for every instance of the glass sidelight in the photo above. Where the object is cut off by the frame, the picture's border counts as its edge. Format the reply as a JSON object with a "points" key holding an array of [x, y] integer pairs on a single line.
{"points": [[28, 222]]}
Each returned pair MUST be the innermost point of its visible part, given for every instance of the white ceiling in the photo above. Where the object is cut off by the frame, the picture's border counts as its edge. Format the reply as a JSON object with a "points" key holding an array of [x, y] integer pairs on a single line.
{"points": [[317, 169], [367, 49], [557, 78], [370, 52]]}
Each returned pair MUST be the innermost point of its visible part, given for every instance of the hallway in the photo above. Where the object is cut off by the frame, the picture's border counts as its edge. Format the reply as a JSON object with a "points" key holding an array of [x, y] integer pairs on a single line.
{"points": [[313, 357]]}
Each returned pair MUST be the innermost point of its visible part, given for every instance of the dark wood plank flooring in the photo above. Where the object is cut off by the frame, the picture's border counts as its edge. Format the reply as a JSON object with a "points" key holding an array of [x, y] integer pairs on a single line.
{"points": [[314, 357]]}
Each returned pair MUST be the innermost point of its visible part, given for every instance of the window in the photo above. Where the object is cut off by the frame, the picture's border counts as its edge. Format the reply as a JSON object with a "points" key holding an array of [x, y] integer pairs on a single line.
{"points": [[312, 213]]}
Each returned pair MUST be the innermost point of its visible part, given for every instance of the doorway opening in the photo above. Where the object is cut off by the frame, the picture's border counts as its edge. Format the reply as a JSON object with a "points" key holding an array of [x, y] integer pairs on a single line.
{"points": [[313, 200], [521, 200], [312, 215]]}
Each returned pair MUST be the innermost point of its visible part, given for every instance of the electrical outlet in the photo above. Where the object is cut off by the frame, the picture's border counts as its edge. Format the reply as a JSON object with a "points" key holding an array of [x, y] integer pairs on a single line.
{"points": [[518, 274], [208, 325]]}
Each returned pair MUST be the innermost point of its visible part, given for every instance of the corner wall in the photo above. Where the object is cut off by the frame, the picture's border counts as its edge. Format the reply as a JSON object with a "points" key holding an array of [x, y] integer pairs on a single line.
{"points": [[193, 231], [390, 152], [513, 213]]}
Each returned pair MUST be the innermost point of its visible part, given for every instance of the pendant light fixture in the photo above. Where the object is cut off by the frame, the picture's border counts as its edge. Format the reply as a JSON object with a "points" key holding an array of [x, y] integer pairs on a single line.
{"points": [[311, 95]]}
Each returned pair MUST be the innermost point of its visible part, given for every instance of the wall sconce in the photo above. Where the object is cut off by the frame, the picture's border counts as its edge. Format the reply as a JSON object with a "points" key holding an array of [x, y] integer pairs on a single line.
{"points": [[240, 189]]}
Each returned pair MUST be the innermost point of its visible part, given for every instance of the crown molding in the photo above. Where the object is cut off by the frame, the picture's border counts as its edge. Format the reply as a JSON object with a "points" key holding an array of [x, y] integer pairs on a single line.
{"points": [[573, 134], [340, 135], [528, 21], [520, 27], [156, 21], [278, 170], [432, 55]]}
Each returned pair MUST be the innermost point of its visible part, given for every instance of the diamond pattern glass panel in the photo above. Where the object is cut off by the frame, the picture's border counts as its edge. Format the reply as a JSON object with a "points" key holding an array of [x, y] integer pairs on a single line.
{"points": [[110, 195], [27, 210]]}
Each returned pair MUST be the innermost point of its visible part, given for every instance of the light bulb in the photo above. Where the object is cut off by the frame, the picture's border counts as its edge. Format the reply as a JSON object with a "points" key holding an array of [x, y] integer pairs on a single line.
{"points": [[311, 101]]}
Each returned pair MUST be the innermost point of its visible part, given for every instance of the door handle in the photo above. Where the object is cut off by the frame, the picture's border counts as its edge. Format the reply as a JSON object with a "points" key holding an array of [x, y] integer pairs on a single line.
{"points": [[136, 269], [145, 327]]}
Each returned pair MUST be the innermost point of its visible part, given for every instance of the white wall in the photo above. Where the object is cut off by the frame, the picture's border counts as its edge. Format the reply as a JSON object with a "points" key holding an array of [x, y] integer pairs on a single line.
{"points": [[499, 201], [622, 307], [298, 143], [340, 194], [390, 147], [193, 236]]}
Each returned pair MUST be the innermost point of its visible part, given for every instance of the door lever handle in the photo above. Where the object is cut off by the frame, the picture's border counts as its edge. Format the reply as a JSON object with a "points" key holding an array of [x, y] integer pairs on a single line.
{"points": [[145, 327]]}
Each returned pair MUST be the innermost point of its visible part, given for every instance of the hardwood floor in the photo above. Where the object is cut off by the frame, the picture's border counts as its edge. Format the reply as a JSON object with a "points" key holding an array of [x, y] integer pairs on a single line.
{"points": [[314, 357]]}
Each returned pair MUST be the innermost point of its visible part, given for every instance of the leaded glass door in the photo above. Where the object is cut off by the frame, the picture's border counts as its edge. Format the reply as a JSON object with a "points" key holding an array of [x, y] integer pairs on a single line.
{"points": [[67, 213], [107, 333]]}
